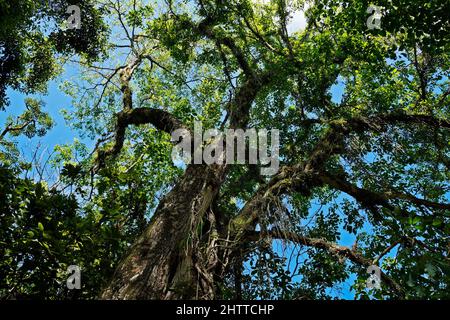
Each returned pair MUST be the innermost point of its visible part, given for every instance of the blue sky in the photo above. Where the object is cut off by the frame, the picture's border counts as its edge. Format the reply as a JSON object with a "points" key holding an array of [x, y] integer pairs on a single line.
{"points": [[55, 101]]}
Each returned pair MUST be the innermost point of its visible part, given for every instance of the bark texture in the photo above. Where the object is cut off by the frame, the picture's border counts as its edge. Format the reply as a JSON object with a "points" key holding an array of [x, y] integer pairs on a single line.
{"points": [[162, 264]]}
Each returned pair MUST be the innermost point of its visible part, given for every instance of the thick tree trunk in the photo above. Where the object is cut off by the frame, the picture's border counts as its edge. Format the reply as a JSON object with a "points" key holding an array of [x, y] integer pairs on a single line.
{"points": [[163, 263], [175, 258]]}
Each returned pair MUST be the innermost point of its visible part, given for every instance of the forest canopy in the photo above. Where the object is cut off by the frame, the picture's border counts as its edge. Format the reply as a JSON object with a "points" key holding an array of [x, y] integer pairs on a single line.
{"points": [[359, 92]]}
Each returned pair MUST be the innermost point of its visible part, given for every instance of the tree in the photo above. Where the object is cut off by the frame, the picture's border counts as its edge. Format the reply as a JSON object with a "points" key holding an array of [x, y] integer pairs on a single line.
{"points": [[375, 159]]}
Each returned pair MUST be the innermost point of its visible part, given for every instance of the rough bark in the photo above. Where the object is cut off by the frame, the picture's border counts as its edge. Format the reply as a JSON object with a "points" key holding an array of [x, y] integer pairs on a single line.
{"points": [[175, 258], [162, 263]]}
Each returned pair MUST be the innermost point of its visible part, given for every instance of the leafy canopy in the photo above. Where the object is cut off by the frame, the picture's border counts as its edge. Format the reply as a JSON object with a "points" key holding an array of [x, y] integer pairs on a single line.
{"points": [[348, 95]]}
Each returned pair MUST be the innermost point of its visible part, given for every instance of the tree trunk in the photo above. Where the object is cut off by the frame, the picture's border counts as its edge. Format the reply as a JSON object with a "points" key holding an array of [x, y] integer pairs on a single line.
{"points": [[165, 262]]}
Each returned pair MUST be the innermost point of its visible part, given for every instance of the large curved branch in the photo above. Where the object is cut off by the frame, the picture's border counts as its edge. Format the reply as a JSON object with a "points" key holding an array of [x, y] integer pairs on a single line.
{"points": [[309, 174], [160, 119], [377, 122], [417, 201], [412, 118], [239, 107], [353, 255], [367, 198], [371, 198], [302, 177]]}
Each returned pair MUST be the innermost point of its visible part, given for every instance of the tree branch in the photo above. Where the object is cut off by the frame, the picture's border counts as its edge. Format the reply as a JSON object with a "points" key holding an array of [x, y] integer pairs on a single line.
{"points": [[161, 120], [205, 29], [11, 128], [333, 248], [371, 198]]}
